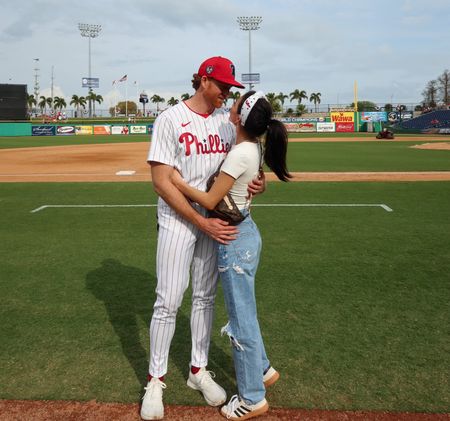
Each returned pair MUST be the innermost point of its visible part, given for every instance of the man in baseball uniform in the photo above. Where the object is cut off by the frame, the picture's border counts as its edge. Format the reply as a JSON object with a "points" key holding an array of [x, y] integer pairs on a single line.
{"points": [[193, 137]]}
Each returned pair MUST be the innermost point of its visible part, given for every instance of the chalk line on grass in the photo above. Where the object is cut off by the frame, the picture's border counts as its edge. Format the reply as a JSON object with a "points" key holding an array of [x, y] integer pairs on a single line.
{"points": [[308, 205]]}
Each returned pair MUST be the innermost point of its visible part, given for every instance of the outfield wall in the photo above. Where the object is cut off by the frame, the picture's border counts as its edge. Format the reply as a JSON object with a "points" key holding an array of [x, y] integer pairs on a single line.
{"points": [[28, 129], [336, 121]]}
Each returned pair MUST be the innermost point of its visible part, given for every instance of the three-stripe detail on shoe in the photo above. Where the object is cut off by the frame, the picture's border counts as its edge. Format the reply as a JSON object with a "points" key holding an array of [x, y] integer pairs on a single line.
{"points": [[241, 411]]}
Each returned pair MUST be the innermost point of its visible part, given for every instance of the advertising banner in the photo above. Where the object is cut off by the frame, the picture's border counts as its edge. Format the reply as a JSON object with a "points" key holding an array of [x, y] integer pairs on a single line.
{"points": [[307, 127], [326, 127], [345, 127], [393, 116], [42, 130], [138, 129], [301, 119], [65, 130], [150, 128], [102, 129], [292, 127], [373, 116], [406, 115], [342, 117], [119, 130], [83, 129]]}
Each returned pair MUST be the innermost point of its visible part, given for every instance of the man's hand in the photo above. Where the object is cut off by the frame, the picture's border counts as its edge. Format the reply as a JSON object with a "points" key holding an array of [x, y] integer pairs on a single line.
{"points": [[257, 185], [219, 230]]}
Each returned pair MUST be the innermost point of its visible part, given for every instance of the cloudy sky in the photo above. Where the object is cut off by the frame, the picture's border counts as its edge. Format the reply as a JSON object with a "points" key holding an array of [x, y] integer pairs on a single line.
{"points": [[392, 48]]}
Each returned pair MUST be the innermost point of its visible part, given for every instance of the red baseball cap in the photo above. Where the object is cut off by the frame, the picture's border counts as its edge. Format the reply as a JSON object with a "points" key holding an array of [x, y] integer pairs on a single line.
{"points": [[221, 69]]}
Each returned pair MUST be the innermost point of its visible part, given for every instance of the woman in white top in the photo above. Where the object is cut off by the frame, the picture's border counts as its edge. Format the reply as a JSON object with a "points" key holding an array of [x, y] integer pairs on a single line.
{"points": [[238, 261]]}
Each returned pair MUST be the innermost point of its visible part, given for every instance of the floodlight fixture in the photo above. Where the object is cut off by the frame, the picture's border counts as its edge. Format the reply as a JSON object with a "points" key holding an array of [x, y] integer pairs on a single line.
{"points": [[249, 23], [89, 31]]}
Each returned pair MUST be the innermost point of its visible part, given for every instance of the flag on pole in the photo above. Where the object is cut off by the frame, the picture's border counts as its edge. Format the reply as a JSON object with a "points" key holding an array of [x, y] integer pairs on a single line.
{"points": [[123, 79]]}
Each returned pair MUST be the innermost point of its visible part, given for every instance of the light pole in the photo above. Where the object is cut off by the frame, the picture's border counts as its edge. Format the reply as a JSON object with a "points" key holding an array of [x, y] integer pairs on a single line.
{"points": [[89, 31], [36, 83], [249, 23]]}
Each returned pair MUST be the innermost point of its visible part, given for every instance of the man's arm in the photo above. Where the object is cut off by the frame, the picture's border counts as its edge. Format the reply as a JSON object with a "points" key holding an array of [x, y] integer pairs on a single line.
{"points": [[216, 228]]}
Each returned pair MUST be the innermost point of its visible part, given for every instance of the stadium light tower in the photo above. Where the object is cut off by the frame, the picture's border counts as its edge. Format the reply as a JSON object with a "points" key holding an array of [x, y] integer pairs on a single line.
{"points": [[249, 23], [89, 31]]}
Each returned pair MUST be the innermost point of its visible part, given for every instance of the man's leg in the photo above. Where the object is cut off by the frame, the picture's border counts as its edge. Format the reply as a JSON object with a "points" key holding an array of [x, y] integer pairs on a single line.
{"points": [[204, 286], [175, 248], [176, 242]]}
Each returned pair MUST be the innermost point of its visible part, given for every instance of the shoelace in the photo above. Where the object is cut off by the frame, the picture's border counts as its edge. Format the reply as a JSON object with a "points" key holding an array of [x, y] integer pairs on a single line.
{"points": [[232, 405], [207, 377], [154, 385]]}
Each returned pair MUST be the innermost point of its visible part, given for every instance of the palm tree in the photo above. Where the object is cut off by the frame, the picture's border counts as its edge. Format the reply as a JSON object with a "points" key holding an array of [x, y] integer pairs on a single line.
{"points": [[49, 102], [99, 99], [43, 104], [300, 109], [234, 95], [78, 101], [156, 99], [184, 97], [315, 97], [92, 96], [298, 95], [281, 97], [172, 101], [59, 102], [31, 101], [273, 101]]}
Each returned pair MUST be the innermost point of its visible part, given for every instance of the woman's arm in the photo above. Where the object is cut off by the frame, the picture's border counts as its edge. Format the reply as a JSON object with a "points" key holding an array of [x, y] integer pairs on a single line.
{"points": [[210, 199]]}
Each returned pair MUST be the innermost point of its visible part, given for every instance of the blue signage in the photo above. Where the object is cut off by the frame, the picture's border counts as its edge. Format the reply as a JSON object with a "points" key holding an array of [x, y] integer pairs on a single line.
{"points": [[90, 82], [43, 130]]}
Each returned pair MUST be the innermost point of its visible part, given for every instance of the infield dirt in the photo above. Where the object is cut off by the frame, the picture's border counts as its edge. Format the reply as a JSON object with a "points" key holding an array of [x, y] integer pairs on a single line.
{"points": [[103, 162]]}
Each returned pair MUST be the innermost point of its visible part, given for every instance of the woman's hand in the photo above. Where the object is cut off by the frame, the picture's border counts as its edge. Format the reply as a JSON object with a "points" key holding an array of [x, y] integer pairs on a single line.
{"points": [[257, 185]]}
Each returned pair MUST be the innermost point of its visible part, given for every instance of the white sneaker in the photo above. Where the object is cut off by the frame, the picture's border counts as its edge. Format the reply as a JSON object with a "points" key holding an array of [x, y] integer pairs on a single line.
{"points": [[152, 407], [237, 409], [203, 381], [270, 377]]}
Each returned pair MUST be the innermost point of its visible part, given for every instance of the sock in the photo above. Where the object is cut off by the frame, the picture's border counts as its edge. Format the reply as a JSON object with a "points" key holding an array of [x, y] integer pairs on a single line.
{"points": [[194, 369], [149, 377]]}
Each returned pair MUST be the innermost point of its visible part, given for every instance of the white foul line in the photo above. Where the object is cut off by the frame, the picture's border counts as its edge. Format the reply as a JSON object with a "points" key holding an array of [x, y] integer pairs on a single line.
{"points": [[329, 205], [309, 205]]}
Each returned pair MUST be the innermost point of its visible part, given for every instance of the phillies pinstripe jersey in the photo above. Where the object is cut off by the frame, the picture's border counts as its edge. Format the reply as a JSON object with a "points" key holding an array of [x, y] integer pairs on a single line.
{"points": [[193, 143]]}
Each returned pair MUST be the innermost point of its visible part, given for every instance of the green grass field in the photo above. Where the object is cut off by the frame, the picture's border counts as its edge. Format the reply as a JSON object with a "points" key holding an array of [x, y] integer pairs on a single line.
{"points": [[353, 301]]}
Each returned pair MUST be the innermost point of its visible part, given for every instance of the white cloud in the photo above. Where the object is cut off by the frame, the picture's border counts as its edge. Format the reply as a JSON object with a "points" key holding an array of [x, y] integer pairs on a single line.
{"points": [[321, 46]]}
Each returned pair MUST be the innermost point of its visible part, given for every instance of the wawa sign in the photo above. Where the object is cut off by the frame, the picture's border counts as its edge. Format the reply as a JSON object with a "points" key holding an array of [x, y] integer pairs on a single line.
{"points": [[342, 117]]}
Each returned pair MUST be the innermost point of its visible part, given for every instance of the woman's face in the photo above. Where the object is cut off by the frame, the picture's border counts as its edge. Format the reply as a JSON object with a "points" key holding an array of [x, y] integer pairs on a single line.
{"points": [[234, 116]]}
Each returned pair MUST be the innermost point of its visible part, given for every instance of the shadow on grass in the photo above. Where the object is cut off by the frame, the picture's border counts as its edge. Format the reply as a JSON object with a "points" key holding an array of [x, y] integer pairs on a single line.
{"points": [[128, 295]]}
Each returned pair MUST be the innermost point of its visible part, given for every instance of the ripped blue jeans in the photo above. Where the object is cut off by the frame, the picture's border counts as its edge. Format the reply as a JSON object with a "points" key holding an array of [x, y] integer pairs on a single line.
{"points": [[238, 262]]}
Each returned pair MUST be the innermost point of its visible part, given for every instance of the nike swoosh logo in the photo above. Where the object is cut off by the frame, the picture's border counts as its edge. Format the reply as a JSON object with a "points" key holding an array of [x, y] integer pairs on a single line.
{"points": [[185, 124]]}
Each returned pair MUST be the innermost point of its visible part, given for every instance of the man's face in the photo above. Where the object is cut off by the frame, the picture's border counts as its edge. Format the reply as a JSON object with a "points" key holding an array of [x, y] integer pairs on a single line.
{"points": [[217, 92]]}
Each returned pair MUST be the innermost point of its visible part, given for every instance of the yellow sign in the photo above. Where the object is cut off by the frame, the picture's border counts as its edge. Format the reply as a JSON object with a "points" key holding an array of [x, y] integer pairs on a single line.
{"points": [[343, 117]]}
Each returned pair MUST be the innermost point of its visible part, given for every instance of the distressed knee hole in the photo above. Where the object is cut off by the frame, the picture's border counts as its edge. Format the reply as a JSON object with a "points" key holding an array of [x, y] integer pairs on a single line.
{"points": [[226, 330]]}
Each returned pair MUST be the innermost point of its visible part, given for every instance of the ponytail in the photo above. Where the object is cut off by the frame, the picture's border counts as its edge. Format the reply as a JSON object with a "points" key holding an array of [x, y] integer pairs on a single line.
{"points": [[276, 149], [259, 121]]}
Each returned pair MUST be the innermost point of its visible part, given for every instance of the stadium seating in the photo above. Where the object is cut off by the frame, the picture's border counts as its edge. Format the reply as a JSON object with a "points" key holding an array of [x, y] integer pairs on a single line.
{"points": [[434, 119]]}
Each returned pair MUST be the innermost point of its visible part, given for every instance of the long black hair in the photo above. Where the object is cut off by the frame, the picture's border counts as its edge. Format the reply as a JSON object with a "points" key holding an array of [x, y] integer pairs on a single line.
{"points": [[260, 121]]}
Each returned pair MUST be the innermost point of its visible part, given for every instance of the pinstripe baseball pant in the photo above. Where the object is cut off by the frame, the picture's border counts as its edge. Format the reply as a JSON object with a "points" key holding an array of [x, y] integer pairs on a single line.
{"points": [[183, 251]]}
